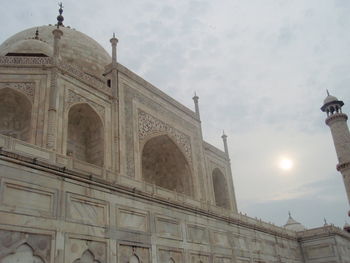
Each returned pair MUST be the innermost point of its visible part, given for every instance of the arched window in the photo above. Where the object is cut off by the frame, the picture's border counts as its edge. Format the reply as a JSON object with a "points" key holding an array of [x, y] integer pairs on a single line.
{"points": [[165, 165], [220, 189], [23, 254], [134, 259], [85, 135], [171, 260], [15, 114]]}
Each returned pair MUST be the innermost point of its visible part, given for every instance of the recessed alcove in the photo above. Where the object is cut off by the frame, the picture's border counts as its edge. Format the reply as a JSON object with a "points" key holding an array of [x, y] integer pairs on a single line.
{"points": [[85, 140], [164, 165], [15, 114]]}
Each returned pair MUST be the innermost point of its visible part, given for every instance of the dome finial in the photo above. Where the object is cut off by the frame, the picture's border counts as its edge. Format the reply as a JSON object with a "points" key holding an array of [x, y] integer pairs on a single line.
{"points": [[290, 215], [60, 18], [327, 92]]}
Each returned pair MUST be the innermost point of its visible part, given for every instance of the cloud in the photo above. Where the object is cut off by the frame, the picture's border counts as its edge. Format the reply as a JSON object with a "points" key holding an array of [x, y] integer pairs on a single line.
{"points": [[260, 68]]}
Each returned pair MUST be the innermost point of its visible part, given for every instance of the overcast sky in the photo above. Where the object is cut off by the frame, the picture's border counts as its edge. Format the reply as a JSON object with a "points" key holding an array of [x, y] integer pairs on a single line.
{"points": [[261, 69]]}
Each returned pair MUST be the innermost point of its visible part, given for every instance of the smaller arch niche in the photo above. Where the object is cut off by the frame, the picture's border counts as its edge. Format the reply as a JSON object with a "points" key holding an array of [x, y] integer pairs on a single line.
{"points": [[164, 164], [85, 140], [220, 189], [87, 257], [15, 114], [23, 254]]}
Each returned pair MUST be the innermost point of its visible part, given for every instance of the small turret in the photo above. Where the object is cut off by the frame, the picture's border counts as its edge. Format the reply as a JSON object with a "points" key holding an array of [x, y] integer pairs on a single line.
{"points": [[196, 105], [293, 224]]}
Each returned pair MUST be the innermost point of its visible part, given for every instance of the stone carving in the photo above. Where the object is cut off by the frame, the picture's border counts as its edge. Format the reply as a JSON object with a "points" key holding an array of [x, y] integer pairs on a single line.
{"points": [[28, 88], [16, 246], [73, 97], [149, 125], [8, 60], [90, 80]]}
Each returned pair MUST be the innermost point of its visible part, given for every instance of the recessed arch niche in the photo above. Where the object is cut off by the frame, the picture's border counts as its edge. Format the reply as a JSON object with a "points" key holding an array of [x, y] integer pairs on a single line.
{"points": [[220, 189], [15, 114], [164, 165], [85, 138], [23, 254]]}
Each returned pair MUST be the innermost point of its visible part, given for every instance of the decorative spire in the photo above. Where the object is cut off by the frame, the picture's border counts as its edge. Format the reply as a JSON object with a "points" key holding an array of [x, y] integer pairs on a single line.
{"points": [[327, 92], [60, 18], [37, 33], [224, 138], [196, 106], [325, 221], [289, 214], [114, 42]]}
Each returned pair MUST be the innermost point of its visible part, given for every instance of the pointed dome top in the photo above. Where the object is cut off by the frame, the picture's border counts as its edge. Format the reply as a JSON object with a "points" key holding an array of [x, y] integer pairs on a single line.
{"points": [[329, 99], [294, 225]]}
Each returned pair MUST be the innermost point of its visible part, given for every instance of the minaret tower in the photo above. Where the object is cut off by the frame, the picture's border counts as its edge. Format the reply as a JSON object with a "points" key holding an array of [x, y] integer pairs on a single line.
{"points": [[337, 122]]}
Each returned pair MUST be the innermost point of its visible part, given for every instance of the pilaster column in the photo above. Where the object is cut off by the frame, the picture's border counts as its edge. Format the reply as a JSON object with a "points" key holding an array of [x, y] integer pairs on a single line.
{"points": [[115, 103], [52, 120]]}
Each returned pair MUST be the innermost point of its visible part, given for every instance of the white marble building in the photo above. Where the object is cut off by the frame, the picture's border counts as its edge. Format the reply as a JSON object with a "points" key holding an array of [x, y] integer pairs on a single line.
{"points": [[98, 165]]}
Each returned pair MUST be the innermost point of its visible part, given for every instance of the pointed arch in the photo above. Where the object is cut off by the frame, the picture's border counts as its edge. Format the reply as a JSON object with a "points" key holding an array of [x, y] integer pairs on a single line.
{"points": [[220, 189], [87, 257], [85, 139], [23, 254], [134, 259], [164, 165], [15, 114]]}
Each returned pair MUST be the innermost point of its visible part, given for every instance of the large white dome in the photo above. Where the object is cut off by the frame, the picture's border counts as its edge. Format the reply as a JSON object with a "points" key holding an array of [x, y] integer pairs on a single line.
{"points": [[76, 48]]}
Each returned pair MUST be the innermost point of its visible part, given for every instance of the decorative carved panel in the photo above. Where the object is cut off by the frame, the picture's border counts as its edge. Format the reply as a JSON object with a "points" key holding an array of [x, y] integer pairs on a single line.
{"points": [[36, 246], [27, 88], [85, 251], [149, 125], [8, 60]]}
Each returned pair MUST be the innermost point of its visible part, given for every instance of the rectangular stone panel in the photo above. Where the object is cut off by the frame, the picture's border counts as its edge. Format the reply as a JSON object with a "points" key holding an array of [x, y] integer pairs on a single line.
{"points": [[220, 239], [222, 259], [2, 141], [27, 198], [197, 234], [86, 210], [87, 167], [195, 258], [133, 219], [168, 228], [31, 150], [240, 242], [321, 251]]}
